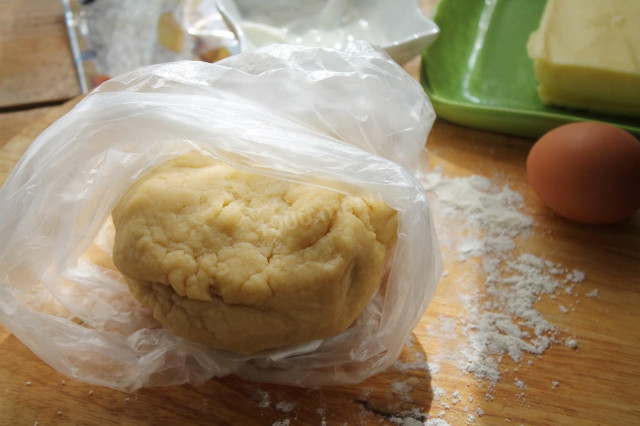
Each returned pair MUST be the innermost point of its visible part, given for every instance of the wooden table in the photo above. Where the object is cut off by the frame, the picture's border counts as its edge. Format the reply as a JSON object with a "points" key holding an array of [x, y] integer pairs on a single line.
{"points": [[598, 383]]}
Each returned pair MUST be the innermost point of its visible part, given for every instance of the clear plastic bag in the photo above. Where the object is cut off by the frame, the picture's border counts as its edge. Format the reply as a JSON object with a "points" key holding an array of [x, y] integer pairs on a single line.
{"points": [[296, 113]]}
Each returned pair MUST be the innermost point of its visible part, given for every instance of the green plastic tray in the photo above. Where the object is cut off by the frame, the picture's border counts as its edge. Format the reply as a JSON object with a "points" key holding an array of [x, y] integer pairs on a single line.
{"points": [[477, 73]]}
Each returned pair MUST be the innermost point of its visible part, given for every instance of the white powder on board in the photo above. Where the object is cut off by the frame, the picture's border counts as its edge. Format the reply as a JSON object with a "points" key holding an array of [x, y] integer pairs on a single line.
{"points": [[593, 293], [482, 204], [438, 392], [410, 420], [436, 422], [323, 417], [285, 406], [404, 387], [263, 398], [502, 319], [571, 343], [420, 363]]}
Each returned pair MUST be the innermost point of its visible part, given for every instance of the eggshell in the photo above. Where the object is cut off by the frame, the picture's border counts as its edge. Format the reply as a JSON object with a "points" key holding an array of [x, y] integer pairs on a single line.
{"points": [[587, 172]]}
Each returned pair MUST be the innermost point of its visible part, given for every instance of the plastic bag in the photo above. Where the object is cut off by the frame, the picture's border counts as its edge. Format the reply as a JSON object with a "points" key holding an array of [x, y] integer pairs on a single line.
{"points": [[296, 113]]}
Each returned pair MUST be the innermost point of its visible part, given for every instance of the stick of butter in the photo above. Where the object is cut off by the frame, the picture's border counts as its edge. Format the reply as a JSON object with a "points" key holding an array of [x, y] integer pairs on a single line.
{"points": [[587, 55]]}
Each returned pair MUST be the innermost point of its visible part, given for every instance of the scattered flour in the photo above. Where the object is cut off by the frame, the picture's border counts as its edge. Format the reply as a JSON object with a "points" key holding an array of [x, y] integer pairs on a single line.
{"points": [[420, 363], [503, 320], [436, 422], [414, 417], [264, 398], [571, 343], [404, 387], [323, 416], [408, 421], [482, 204], [285, 406], [576, 276], [593, 293], [438, 392]]}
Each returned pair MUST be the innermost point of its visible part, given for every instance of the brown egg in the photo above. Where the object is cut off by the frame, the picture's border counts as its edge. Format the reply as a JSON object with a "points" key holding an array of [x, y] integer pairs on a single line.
{"points": [[587, 172]]}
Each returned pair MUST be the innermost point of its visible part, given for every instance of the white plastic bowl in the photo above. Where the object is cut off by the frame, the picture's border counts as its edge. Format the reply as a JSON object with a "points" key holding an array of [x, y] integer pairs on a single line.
{"points": [[399, 26]]}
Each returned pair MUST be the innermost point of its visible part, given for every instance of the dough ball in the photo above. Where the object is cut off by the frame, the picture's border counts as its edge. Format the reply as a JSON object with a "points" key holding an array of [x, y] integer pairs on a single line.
{"points": [[245, 262]]}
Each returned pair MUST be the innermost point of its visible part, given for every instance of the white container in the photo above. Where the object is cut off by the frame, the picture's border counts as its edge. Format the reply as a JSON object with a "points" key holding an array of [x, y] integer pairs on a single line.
{"points": [[399, 27]]}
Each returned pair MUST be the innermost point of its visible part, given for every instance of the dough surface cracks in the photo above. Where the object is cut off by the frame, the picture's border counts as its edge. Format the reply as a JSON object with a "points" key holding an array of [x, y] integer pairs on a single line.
{"points": [[245, 262]]}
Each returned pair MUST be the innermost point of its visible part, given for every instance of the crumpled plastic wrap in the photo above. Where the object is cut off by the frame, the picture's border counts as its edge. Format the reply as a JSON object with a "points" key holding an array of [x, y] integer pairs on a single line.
{"points": [[349, 120]]}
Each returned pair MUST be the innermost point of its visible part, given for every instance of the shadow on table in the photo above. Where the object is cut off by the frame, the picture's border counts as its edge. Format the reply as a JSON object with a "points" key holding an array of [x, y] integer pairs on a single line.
{"points": [[401, 392]]}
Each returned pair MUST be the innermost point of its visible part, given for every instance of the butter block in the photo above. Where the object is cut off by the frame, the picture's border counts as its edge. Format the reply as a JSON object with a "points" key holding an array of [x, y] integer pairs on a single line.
{"points": [[587, 55]]}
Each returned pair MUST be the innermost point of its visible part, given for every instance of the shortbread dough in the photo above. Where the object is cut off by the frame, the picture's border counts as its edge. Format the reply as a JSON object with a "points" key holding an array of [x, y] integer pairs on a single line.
{"points": [[245, 262]]}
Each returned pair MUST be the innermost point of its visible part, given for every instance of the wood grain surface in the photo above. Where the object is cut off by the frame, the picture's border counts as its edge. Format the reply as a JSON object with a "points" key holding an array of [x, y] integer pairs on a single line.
{"points": [[597, 382], [36, 65], [12, 123]]}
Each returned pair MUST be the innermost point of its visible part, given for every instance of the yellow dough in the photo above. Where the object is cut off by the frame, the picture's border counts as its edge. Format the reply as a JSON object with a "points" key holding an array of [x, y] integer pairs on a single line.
{"points": [[245, 262]]}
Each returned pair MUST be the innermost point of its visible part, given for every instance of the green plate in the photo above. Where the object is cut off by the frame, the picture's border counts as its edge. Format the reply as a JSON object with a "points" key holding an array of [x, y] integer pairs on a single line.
{"points": [[477, 73]]}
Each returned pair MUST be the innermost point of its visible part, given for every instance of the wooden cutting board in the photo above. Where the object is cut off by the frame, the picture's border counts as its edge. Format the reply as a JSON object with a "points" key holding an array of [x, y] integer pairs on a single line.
{"points": [[598, 383], [36, 64]]}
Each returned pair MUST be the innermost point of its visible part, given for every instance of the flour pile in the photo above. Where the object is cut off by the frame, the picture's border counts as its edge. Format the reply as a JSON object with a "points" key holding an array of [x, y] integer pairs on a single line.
{"points": [[476, 219]]}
